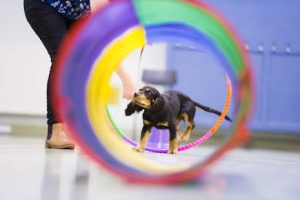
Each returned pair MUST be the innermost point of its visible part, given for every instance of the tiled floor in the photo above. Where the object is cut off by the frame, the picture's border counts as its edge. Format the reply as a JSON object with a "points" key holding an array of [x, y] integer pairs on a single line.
{"points": [[29, 171]]}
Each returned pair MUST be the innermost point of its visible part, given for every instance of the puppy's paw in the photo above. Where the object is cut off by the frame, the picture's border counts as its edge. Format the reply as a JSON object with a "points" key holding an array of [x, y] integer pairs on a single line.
{"points": [[173, 151], [138, 149]]}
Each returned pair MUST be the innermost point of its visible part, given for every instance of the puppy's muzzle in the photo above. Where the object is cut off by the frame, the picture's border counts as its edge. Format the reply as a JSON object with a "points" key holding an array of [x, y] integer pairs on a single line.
{"points": [[141, 100]]}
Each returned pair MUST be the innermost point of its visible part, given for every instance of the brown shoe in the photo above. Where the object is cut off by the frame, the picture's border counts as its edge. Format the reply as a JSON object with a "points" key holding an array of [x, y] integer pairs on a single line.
{"points": [[59, 139]]}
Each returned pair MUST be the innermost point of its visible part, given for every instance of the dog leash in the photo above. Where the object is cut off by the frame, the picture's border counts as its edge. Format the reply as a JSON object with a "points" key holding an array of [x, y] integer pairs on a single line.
{"points": [[139, 68]]}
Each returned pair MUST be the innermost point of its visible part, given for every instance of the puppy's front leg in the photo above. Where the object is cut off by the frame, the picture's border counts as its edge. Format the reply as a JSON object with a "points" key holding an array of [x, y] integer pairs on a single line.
{"points": [[178, 132], [144, 138], [173, 146]]}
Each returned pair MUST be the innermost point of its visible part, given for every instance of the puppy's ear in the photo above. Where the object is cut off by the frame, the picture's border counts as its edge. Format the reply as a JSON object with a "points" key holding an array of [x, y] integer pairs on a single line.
{"points": [[131, 108], [158, 103]]}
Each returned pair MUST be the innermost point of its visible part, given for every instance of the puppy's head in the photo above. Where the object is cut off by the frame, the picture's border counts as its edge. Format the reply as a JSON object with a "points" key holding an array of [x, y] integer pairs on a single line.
{"points": [[146, 97]]}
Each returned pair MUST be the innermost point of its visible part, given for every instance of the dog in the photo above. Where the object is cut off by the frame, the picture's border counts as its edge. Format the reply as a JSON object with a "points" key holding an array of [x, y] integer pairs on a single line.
{"points": [[165, 111]]}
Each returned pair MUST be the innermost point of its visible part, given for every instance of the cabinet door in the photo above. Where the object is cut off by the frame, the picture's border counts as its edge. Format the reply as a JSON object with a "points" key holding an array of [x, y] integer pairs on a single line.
{"points": [[283, 102]]}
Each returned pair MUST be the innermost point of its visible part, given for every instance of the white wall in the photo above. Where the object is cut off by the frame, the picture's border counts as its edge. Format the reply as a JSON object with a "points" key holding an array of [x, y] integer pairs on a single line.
{"points": [[25, 64]]}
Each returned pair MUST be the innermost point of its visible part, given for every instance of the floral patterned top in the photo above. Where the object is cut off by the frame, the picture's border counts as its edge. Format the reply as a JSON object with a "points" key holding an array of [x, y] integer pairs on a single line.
{"points": [[71, 9]]}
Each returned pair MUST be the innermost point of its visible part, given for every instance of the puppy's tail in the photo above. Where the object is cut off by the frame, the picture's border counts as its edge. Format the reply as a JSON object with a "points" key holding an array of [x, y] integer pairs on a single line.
{"points": [[208, 109]]}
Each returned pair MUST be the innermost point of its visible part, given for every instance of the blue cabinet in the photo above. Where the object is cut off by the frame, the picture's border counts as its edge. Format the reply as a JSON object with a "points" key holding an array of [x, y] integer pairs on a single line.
{"points": [[200, 77], [271, 30], [283, 92]]}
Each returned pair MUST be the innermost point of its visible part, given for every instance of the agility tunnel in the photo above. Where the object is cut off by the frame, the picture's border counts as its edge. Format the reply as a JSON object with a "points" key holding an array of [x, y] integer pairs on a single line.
{"points": [[95, 49]]}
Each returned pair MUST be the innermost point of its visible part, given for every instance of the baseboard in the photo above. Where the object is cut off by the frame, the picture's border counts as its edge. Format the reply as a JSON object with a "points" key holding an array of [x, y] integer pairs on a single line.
{"points": [[24, 125], [22, 119], [35, 126], [257, 140]]}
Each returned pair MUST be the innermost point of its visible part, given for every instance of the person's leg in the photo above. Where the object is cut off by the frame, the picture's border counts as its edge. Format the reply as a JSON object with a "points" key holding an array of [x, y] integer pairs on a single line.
{"points": [[51, 28]]}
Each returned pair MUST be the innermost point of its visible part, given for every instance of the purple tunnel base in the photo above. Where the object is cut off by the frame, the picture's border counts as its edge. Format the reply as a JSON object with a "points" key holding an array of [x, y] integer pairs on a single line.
{"points": [[159, 139]]}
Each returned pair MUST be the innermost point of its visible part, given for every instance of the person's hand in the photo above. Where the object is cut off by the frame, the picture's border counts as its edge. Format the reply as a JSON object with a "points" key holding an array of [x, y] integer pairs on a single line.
{"points": [[128, 88], [128, 84], [95, 4]]}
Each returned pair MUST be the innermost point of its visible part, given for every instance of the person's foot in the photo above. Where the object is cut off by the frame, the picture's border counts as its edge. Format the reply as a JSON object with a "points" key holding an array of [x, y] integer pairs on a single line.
{"points": [[59, 139]]}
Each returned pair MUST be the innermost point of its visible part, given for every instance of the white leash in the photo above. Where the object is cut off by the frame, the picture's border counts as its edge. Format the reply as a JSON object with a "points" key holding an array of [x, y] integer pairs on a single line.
{"points": [[139, 68]]}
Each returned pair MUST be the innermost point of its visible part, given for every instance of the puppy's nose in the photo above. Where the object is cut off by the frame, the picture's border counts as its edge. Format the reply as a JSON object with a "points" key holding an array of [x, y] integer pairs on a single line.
{"points": [[135, 94]]}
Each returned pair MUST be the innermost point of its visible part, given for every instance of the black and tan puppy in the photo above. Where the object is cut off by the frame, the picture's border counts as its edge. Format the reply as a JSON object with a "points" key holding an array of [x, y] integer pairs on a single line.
{"points": [[165, 111]]}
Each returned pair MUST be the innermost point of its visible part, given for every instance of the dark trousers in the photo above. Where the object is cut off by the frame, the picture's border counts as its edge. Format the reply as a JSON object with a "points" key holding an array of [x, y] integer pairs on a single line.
{"points": [[51, 28]]}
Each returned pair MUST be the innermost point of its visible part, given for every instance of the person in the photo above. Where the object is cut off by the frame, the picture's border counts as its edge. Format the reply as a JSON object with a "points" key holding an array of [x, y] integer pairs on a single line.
{"points": [[51, 20]]}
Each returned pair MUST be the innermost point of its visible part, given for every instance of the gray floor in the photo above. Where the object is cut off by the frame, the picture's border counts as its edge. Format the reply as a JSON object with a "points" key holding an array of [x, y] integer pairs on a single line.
{"points": [[29, 171]]}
